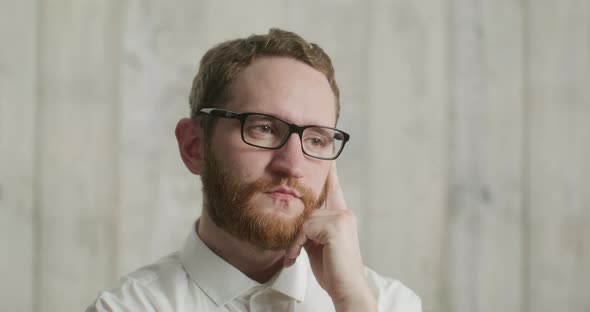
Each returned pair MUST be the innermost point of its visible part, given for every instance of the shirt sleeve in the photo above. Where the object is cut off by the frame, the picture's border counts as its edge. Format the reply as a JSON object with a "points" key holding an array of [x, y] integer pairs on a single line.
{"points": [[392, 295]]}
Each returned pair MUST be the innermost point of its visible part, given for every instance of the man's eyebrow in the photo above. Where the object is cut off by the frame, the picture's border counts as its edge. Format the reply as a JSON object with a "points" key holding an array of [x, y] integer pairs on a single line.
{"points": [[323, 131], [319, 124]]}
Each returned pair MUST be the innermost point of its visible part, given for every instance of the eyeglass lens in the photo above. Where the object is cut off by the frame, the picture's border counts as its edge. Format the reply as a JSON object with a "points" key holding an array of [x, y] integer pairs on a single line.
{"points": [[270, 132]]}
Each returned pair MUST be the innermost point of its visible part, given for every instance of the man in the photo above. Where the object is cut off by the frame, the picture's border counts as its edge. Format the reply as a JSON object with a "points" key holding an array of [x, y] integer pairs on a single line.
{"points": [[275, 233]]}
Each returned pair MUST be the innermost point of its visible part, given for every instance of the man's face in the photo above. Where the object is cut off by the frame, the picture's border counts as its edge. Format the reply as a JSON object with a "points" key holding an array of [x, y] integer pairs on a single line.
{"points": [[260, 195]]}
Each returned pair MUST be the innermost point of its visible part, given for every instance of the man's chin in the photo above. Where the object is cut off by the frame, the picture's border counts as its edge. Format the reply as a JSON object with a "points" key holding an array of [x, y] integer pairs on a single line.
{"points": [[273, 230]]}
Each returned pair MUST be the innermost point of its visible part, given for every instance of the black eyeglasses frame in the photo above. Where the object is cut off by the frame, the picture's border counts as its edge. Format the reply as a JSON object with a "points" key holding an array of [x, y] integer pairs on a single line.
{"points": [[293, 128]]}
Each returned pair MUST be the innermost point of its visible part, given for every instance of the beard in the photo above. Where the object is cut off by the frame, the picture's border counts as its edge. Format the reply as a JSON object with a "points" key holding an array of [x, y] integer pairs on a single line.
{"points": [[228, 203]]}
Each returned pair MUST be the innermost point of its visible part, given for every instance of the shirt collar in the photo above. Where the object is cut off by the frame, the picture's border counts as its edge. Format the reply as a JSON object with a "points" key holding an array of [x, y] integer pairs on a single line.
{"points": [[222, 282], [292, 281]]}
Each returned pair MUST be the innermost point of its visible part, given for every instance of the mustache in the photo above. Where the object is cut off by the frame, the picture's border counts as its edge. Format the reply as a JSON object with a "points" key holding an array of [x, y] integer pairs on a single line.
{"points": [[283, 181], [305, 193]]}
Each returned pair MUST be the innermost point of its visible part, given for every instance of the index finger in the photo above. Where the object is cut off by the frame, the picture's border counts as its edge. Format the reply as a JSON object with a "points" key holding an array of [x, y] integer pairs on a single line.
{"points": [[334, 194]]}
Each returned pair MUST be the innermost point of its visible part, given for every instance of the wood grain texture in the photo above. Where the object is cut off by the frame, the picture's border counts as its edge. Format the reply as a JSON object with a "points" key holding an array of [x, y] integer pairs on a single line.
{"points": [[486, 206], [18, 99], [467, 167], [559, 149], [408, 147], [77, 172]]}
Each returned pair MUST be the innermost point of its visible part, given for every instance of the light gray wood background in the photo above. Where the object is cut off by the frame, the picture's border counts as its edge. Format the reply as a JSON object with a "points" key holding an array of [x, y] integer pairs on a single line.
{"points": [[468, 166]]}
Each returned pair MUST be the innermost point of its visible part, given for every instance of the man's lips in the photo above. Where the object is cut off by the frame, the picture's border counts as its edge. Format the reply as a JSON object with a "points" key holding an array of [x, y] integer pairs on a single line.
{"points": [[284, 192]]}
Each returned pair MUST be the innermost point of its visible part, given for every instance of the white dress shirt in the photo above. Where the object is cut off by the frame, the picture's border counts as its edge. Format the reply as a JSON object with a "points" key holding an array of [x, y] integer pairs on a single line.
{"points": [[196, 279]]}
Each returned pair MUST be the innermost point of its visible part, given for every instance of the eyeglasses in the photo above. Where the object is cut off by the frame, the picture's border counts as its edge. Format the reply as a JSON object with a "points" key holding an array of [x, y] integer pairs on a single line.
{"points": [[270, 132]]}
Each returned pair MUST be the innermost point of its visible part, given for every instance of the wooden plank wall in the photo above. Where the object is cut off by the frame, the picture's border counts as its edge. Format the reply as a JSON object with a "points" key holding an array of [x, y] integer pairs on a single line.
{"points": [[558, 70], [77, 174], [18, 130], [408, 107], [486, 157], [467, 167]]}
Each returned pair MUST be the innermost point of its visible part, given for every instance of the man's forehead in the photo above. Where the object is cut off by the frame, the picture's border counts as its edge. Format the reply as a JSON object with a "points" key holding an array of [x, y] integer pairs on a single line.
{"points": [[286, 88]]}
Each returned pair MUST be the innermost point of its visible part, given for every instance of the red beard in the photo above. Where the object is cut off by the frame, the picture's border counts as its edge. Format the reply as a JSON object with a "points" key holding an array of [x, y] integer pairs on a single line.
{"points": [[228, 204]]}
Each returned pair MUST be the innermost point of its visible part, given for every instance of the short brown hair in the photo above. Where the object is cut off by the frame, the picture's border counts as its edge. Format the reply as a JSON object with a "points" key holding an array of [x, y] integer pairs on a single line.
{"points": [[221, 65]]}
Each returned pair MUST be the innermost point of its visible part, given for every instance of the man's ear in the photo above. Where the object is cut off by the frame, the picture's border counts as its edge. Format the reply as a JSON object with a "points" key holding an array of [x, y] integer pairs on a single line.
{"points": [[191, 144]]}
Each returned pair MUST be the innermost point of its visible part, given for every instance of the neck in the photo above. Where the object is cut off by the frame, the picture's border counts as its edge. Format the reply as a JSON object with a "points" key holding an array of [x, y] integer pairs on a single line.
{"points": [[256, 263]]}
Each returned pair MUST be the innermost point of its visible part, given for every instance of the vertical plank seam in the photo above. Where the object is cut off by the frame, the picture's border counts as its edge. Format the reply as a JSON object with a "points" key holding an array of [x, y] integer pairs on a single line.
{"points": [[525, 160], [117, 11], [461, 142], [452, 82], [36, 172], [367, 237], [446, 284], [365, 192]]}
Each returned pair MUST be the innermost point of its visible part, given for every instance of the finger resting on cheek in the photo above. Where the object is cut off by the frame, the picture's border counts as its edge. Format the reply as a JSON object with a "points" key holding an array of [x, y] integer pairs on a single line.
{"points": [[335, 201], [332, 178], [335, 196]]}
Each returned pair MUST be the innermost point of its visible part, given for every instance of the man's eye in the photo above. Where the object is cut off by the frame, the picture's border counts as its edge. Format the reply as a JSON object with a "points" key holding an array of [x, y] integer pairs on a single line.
{"points": [[263, 128], [317, 142]]}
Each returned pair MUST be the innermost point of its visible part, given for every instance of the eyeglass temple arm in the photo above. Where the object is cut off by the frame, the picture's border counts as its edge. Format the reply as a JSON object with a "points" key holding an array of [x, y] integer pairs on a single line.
{"points": [[218, 113]]}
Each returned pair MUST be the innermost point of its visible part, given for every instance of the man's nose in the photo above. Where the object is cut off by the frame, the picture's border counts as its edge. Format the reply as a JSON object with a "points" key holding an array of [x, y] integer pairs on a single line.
{"points": [[288, 160]]}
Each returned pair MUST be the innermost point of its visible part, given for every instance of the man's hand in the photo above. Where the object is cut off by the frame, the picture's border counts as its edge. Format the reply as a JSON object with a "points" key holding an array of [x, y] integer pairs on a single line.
{"points": [[330, 238]]}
